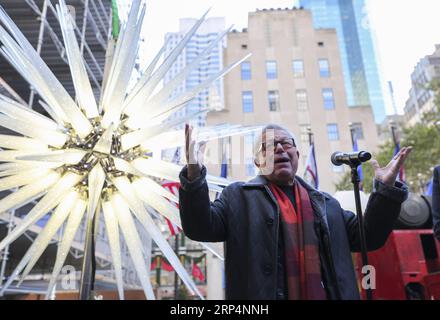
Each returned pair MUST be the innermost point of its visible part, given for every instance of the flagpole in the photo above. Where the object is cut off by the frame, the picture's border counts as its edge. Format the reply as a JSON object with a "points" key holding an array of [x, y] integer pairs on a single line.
{"points": [[311, 165], [310, 133], [393, 131], [350, 125]]}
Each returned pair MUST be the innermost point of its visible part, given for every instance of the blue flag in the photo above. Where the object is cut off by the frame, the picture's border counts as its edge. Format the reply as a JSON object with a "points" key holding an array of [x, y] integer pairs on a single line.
{"points": [[429, 189], [223, 169], [401, 176]]}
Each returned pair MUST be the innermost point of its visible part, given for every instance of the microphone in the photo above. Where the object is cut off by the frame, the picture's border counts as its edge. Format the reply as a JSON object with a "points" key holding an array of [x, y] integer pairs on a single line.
{"points": [[352, 158]]}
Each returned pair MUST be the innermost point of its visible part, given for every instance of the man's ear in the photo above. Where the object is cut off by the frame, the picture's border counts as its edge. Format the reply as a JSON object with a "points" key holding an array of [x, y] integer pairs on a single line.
{"points": [[297, 153], [257, 163]]}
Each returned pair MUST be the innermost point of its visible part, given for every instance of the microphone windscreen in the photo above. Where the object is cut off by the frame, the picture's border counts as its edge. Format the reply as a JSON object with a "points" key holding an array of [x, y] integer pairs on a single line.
{"points": [[334, 160], [364, 156]]}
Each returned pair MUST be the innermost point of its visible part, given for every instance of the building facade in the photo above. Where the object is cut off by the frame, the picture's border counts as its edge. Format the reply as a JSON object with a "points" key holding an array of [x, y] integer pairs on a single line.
{"points": [[293, 78], [358, 55], [208, 31], [421, 98]]}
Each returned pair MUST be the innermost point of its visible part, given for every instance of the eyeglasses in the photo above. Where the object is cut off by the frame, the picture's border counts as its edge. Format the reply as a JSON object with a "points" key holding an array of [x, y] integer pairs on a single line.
{"points": [[285, 143]]}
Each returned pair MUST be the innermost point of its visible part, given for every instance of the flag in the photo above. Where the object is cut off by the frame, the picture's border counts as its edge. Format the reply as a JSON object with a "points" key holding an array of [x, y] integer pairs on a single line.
{"points": [[224, 170], [153, 264], [402, 176], [311, 171], [197, 272], [429, 189], [224, 167], [166, 266], [172, 187], [173, 228], [359, 168]]}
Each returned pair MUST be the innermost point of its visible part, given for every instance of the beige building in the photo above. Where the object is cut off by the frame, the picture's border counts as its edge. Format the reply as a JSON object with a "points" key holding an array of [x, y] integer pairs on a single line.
{"points": [[293, 78]]}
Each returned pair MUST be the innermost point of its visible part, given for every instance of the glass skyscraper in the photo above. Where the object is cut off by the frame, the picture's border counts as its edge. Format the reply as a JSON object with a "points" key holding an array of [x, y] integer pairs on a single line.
{"points": [[361, 75]]}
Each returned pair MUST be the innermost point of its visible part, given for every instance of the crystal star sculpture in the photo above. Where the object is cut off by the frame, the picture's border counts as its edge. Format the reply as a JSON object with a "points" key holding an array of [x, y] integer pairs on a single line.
{"points": [[90, 156]]}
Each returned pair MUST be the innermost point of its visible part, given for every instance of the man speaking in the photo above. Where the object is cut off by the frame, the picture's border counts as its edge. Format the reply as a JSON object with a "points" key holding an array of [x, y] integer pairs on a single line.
{"points": [[283, 238]]}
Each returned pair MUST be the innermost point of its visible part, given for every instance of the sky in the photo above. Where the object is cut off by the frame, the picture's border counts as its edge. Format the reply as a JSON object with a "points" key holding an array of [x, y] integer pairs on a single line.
{"points": [[405, 30]]}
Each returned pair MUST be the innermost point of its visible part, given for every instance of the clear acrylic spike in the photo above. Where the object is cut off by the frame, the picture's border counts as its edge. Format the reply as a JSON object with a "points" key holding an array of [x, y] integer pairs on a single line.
{"points": [[112, 227], [50, 137], [48, 202], [22, 178], [129, 195], [43, 239], [133, 241], [157, 76], [68, 236], [81, 81], [28, 192], [21, 143]]}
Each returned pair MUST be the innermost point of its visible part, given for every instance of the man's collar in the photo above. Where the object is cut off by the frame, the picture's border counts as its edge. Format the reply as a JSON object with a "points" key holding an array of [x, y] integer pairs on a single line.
{"points": [[261, 181], [258, 181]]}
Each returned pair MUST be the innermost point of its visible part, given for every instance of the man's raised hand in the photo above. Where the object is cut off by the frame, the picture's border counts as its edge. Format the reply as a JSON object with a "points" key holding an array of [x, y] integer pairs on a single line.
{"points": [[194, 154], [388, 174]]}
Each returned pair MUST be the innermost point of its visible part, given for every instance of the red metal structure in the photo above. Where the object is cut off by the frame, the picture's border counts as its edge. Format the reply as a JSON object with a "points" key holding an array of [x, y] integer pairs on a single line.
{"points": [[407, 266]]}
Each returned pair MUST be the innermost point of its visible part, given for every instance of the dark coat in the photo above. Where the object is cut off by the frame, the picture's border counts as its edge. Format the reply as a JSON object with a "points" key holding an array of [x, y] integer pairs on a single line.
{"points": [[436, 202], [246, 217]]}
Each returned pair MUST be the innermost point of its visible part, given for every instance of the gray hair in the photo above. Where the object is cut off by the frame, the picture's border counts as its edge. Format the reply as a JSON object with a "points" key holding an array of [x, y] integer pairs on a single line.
{"points": [[270, 126]]}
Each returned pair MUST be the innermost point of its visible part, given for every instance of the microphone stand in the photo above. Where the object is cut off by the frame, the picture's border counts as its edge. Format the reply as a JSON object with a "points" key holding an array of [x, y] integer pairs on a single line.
{"points": [[356, 180]]}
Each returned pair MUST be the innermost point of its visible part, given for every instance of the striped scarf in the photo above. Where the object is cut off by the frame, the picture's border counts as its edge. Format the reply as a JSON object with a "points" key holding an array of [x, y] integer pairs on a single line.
{"points": [[301, 246]]}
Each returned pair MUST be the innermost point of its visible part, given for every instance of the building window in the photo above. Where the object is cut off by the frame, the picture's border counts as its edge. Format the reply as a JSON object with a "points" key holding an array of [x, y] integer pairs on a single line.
{"points": [[304, 133], [250, 167], [247, 101], [246, 70], [333, 132], [301, 100], [298, 68], [271, 69], [327, 95], [274, 100], [324, 68], [356, 129]]}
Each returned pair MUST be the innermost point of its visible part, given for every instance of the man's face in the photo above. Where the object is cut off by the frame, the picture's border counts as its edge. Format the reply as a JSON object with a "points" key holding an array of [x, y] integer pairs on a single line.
{"points": [[283, 155]]}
